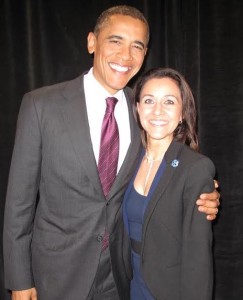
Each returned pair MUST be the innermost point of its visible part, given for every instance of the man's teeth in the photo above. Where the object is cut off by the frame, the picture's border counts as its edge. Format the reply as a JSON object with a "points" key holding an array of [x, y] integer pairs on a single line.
{"points": [[119, 68]]}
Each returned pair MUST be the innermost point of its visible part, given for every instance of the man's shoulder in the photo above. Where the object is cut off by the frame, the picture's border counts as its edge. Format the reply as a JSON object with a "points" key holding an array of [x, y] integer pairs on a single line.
{"points": [[54, 89]]}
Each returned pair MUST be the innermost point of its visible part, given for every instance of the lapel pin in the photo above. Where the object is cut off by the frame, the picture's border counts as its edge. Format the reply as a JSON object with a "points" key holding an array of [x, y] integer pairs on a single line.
{"points": [[175, 163]]}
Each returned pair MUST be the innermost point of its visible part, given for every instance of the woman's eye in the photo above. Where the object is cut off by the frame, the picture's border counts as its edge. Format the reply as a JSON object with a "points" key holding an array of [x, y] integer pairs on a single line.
{"points": [[148, 101], [169, 101]]}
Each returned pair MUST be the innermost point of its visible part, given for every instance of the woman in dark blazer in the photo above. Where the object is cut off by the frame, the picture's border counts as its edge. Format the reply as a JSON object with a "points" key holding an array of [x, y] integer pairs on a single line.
{"points": [[170, 240]]}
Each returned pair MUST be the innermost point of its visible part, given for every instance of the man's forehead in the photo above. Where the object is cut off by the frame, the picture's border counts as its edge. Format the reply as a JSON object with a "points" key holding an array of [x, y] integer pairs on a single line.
{"points": [[123, 25]]}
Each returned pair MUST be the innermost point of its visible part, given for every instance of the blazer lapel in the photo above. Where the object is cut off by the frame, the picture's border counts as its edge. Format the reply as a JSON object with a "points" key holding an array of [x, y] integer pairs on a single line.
{"points": [[75, 116], [172, 158]]}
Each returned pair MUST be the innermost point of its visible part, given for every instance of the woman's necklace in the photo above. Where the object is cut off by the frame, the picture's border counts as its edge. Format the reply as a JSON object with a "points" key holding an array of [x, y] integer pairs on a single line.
{"points": [[151, 164]]}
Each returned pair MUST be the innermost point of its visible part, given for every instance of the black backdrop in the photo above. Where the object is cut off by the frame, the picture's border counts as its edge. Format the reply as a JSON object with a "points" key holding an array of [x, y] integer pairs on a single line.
{"points": [[44, 41]]}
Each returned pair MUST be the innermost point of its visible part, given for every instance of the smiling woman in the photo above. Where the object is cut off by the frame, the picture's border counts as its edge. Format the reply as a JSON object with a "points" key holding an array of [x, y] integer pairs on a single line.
{"points": [[160, 109], [164, 92], [170, 175]]}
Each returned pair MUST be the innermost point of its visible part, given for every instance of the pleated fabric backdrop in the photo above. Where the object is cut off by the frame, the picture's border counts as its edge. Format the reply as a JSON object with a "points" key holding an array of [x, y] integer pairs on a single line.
{"points": [[44, 42]]}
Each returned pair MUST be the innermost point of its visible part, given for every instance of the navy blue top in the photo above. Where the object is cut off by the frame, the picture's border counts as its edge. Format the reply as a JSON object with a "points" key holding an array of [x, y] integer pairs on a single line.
{"points": [[135, 207]]}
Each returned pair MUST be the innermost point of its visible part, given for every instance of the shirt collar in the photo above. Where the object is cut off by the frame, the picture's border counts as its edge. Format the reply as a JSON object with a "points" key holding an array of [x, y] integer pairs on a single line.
{"points": [[97, 89]]}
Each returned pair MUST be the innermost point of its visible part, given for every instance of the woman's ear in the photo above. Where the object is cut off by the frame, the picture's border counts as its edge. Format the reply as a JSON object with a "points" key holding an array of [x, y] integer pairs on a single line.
{"points": [[137, 106]]}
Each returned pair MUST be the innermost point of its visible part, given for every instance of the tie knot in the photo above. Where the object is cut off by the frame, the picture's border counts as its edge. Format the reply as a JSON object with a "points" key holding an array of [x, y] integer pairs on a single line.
{"points": [[110, 104]]}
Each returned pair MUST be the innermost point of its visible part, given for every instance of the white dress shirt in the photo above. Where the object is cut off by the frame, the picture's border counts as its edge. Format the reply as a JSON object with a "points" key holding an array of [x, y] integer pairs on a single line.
{"points": [[95, 96]]}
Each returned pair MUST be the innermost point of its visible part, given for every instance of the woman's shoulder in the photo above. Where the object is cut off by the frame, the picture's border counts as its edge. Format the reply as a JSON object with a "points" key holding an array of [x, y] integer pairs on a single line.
{"points": [[192, 157], [186, 155]]}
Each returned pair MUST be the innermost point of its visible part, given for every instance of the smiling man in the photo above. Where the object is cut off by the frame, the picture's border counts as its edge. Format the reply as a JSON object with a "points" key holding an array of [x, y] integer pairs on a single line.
{"points": [[119, 48], [68, 245]]}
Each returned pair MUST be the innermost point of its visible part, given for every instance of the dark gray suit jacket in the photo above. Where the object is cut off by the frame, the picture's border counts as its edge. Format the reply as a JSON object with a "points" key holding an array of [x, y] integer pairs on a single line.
{"points": [[54, 243], [176, 254]]}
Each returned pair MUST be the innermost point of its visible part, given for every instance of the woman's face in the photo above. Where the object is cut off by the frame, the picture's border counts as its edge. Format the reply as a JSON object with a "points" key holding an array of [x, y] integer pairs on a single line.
{"points": [[160, 108]]}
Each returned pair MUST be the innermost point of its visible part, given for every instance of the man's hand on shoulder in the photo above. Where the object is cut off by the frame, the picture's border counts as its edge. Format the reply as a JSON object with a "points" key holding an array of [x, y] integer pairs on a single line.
{"points": [[29, 294], [209, 203]]}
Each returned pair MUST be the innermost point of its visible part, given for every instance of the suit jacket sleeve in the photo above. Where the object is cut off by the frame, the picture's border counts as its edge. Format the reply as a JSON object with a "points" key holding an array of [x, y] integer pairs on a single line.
{"points": [[21, 198], [197, 273]]}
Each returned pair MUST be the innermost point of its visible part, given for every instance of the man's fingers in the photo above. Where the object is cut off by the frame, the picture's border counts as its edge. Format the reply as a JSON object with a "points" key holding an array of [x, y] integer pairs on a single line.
{"points": [[208, 203], [216, 184], [214, 196], [208, 210], [211, 217]]}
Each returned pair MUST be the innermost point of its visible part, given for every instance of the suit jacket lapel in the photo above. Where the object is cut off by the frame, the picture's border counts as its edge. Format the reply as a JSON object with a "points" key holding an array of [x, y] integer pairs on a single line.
{"points": [[75, 116], [132, 155]]}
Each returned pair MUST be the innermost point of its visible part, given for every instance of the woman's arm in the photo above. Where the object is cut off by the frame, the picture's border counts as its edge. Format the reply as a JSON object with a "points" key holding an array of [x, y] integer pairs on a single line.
{"points": [[197, 257]]}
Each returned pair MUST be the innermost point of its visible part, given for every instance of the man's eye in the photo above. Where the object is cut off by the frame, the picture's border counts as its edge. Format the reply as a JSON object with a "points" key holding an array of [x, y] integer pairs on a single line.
{"points": [[115, 42], [138, 47]]}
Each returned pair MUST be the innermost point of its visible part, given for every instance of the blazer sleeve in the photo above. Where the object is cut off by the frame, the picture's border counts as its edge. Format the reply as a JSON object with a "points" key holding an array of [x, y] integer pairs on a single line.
{"points": [[21, 198], [197, 261]]}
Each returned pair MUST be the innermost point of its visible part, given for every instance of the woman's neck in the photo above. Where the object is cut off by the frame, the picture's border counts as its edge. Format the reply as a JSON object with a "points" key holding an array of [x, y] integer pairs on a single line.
{"points": [[155, 149]]}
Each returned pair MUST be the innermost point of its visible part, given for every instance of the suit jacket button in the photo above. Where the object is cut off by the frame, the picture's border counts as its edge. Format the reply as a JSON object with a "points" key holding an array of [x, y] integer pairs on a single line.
{"points": [[99, 238]]}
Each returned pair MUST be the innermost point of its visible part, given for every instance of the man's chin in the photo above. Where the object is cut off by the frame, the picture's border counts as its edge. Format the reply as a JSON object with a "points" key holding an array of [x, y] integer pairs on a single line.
{"points": [[119, 86]]}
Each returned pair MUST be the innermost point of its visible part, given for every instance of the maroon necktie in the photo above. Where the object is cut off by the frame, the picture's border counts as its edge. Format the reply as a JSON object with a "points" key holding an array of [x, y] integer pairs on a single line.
{"points": [[109, 151], [109, 147]]}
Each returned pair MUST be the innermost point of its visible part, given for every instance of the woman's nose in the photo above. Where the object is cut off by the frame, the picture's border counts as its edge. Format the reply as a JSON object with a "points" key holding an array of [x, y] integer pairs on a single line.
{"points": [[158, 109]]}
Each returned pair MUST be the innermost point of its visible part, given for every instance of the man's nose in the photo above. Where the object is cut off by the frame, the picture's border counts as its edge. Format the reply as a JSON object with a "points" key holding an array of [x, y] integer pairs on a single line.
{"points": [[125, 53]]}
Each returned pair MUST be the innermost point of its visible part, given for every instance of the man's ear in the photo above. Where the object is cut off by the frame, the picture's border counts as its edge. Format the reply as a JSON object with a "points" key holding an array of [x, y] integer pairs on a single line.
{"points": [[91, 42]]}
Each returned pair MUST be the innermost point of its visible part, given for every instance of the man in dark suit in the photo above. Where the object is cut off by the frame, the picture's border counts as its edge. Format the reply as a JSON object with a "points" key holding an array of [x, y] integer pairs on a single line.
{"points": [[53, 245]]}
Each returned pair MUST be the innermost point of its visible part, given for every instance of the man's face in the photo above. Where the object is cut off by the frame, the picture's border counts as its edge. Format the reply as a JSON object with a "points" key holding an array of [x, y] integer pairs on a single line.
{"points": [[119, 51]]}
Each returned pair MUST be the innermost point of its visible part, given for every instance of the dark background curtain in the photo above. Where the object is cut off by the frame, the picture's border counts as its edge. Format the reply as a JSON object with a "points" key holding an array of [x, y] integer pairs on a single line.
{"points": [[44, 42]]}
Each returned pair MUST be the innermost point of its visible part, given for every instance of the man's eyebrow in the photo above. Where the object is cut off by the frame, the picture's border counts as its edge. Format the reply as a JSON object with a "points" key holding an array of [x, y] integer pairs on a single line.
{"points": [[118, 37], [113, 36]]}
